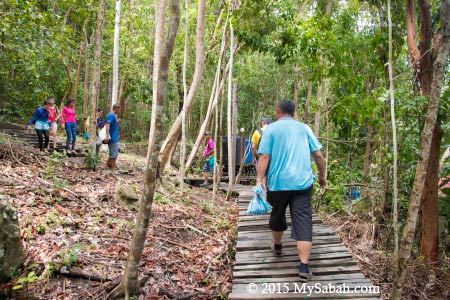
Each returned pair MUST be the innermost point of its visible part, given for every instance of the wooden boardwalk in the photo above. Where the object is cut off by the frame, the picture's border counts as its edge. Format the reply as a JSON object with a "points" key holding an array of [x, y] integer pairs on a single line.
{"points": [[258, 274], [30, 137]]}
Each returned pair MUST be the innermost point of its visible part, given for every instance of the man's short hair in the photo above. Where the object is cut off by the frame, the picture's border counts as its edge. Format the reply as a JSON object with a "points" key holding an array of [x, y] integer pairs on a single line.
{"points": [[117, 105], [207, 133], [51, 98], [286, 106], [266, 120]]}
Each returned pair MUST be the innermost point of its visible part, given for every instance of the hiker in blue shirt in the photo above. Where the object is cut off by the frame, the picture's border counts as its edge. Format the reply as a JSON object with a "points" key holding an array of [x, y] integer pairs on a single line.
{"points": [[112, 136], [289, 145], [41, 125]]}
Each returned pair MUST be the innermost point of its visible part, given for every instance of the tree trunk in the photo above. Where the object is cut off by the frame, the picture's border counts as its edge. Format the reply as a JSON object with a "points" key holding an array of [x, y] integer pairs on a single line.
{"points": [[115, 85], [430, 203], [162, 54], [77, 79], [183, 110], [306, 117], [425, 149], [368, 152], [234, 122], [422, 60], [175, 131], [95, 84], [394, 136], [296, 69], [317, 115], [217, 86], [231, 162], [86, 75]]}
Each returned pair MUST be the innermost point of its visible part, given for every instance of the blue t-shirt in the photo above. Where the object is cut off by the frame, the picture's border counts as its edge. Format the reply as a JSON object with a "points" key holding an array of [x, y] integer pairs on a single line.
{"points": [[111, 119], [289, 144], [40, 114]]}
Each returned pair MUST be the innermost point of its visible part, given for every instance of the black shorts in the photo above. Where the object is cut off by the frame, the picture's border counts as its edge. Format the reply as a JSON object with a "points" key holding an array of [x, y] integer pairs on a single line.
{"points": [[301, 212]]}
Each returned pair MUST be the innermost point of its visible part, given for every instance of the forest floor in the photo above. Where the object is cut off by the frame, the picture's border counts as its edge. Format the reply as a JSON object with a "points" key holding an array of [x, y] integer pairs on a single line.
{"points": [[76, 232], [422, 281]]}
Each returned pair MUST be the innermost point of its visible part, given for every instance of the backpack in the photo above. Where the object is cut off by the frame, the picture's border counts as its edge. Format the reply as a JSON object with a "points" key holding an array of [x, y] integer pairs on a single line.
{"points": [[259, 141]]}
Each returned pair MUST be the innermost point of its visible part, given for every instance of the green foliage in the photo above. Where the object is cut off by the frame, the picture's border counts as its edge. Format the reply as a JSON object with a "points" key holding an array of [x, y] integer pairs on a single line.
{"points": [[92, 160], [444, 206], [69, 257], [24, 281]]}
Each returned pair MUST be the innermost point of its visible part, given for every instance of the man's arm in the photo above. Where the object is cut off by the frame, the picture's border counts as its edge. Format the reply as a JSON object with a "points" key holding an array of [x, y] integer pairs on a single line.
{"points": [[253, 153], [263, 163], [321, 165], [107, 131]]}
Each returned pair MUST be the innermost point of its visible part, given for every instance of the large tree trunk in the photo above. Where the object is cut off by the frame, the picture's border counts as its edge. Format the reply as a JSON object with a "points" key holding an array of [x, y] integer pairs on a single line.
{"points": [[115, 85], [162, 54], [430, 203], [422, 60], [95, 83], [175, 131], [425, 149]]}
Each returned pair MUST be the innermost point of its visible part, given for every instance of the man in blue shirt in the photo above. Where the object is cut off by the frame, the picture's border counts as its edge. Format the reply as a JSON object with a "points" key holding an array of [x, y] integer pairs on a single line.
{"points": [[285, 157], [112, 136]]}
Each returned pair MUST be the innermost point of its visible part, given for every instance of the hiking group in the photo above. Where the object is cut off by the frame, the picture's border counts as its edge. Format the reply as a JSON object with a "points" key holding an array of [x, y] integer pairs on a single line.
{"points": [[44, 121]]}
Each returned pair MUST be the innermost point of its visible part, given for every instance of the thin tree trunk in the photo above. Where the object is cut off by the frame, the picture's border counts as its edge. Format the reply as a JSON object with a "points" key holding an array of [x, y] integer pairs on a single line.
{"points": [[234, 120], [162, 54], [183, 111], [77, 79], [296, 69], [231, 163], [86, 75], [368, 152], [62, 57], [216, 88], [424, 156], [317, 115], [306, 118], [123, 97], [95, 84], [175, 131], [222, 98], [115, 85], [394, 136]]}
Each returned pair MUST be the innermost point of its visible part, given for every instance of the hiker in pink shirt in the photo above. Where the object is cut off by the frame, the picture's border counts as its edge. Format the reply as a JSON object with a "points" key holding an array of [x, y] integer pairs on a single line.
{"points": [[69, 123], [210, 163]]}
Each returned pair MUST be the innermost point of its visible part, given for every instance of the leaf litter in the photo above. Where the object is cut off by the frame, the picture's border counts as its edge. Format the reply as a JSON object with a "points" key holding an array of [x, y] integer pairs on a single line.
{"points": [[76, 233]]}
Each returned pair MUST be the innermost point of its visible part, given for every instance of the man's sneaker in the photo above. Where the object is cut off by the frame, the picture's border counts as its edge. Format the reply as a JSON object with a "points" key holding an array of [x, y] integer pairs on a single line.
{"points": [[277, 249], [204, 184]]}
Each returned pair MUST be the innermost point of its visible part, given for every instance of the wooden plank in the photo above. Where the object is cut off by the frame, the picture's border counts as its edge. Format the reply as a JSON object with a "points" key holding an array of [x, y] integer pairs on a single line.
{"points": [[313, 264], [255, 245], [339, 278], [293, 271], [318, 230], [288, 255]]}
